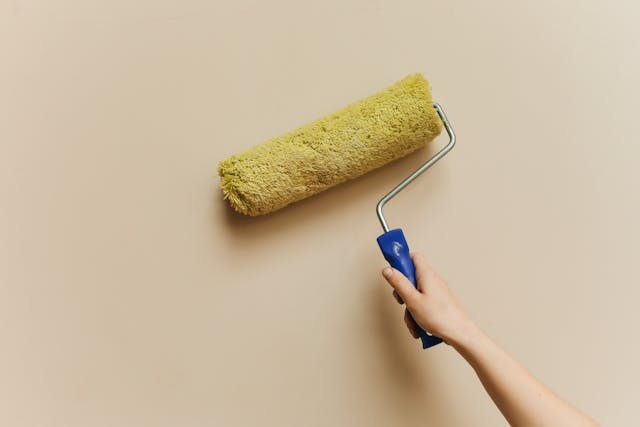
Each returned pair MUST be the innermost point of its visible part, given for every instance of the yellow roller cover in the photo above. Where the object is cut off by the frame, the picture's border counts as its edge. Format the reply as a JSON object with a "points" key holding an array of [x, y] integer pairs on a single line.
{"points": [[341, 146]]}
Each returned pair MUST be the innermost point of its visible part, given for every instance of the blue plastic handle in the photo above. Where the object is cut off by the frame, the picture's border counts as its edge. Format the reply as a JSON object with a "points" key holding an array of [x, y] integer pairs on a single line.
{"points": [[396, 251]]}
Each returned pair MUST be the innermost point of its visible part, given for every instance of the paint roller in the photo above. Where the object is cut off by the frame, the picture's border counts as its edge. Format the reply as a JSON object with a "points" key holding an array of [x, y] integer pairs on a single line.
{"points": [[342, 146]]}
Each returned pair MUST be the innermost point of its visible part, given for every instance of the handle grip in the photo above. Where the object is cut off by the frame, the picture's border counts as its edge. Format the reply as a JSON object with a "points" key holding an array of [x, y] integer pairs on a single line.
{"points": [[396, 251]]}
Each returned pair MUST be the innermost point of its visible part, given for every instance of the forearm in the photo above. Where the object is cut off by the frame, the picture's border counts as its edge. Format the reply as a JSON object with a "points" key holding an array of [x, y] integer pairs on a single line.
{"points": [[522, 399]]}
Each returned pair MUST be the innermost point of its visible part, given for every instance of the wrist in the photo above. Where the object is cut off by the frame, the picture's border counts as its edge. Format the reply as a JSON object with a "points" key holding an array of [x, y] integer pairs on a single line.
{"points": [[463, 334]]}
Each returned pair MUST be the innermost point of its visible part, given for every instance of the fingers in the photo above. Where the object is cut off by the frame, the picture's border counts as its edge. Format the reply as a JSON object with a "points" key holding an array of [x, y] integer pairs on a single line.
{"points": [[403, 290], [411, 324], [397, 297], [401, 285]]}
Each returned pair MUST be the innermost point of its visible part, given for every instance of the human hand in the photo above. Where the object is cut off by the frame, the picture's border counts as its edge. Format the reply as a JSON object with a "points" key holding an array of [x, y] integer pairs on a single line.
{"points": [[522, 399], [432, 305]]}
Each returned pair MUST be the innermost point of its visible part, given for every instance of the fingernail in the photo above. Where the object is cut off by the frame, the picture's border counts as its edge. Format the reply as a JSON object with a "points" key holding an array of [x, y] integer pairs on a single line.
{"points": [[387, 272]]}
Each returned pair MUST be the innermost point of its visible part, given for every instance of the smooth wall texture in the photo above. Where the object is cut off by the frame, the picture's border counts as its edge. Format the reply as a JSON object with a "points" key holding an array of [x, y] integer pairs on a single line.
{"points": [[131, 295]]}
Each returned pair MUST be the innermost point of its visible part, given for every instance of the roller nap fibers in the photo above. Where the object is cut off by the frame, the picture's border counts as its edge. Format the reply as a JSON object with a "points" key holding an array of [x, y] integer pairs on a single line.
{"points": [[341, 146]]}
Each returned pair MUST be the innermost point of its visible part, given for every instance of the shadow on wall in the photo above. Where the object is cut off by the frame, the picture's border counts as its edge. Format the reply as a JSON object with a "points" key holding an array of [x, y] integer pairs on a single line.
{"points": [[409, 380]]}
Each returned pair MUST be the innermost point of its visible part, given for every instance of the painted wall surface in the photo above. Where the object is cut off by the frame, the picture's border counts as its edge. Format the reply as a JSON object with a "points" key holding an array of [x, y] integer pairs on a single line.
{"points": [[131, 295]]}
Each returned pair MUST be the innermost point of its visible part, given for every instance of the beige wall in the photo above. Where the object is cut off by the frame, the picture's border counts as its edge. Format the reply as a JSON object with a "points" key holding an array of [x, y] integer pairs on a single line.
{"points": [[130, 295]]}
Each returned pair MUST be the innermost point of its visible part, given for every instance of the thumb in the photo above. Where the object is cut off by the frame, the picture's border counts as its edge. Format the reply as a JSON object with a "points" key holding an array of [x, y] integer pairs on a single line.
{"points": [[402, 285]]}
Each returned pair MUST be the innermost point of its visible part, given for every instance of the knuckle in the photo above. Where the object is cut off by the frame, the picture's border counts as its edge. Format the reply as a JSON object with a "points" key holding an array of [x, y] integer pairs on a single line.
{"points": [[413, 303]]}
